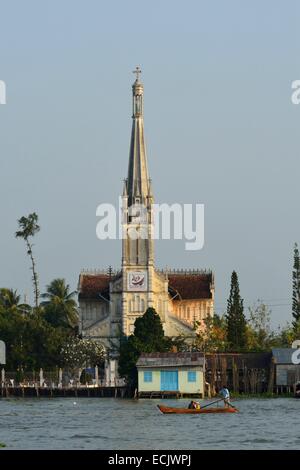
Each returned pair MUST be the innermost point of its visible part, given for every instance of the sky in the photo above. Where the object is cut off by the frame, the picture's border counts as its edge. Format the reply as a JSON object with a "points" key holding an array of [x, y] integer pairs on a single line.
{"points": [[221, 130]]}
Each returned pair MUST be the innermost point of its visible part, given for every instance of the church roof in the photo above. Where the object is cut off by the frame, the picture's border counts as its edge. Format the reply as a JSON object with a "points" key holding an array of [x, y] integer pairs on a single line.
{"points": [[93, 286], [190, 286], [187, 286]]}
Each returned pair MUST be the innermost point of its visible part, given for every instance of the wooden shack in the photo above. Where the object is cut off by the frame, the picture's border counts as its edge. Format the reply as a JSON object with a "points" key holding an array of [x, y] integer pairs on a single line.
{"points": [[240, 372]]}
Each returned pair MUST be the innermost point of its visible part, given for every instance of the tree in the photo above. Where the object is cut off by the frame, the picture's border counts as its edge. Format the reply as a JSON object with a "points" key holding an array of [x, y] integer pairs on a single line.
{"points": [[60, 308], [10, 300], [28, 227], [296, 288], [260, 337], [236, 321], [149, 330], [78, 353], [31, 342], [213, 336], [148, 337]]}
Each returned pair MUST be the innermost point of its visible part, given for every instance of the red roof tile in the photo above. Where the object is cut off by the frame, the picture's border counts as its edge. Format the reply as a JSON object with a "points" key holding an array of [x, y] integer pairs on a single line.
{"points": [[91, 285], [190, 286]]}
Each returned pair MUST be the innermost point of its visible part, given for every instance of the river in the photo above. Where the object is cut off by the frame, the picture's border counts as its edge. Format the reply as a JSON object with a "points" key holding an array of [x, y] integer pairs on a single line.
{"points": [[112, 424]]}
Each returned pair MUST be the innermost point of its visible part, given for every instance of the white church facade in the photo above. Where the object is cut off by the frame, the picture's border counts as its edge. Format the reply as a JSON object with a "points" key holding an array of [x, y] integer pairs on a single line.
{"points": [[110, 302]]}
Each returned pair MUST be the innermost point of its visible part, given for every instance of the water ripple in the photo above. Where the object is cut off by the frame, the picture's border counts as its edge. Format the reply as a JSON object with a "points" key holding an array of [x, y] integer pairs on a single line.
{"points": [[114, 424]]}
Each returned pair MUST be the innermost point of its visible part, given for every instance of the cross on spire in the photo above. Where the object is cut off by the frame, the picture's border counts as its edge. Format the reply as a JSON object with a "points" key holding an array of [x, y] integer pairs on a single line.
{"points": [[137, 71]]}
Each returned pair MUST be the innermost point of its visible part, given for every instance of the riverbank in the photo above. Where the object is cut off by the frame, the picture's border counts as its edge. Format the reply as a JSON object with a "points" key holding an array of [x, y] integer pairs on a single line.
{"points": [[118, 392]]}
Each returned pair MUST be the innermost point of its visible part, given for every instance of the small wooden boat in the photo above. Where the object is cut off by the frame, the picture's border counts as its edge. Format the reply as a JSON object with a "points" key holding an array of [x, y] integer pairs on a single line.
{"points": [[171, 410]]}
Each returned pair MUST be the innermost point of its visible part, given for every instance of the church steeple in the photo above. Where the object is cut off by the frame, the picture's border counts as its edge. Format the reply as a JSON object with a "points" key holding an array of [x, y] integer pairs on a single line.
{"points": [[138, 249], [138, 178]]}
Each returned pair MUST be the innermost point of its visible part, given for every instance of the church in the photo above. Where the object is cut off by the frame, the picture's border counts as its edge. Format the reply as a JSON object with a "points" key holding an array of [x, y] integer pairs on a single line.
{"points": [[109, 301]]}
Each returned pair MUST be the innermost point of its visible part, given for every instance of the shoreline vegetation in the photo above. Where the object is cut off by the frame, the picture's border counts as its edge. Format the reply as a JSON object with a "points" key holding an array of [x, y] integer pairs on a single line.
{"points": [[46, 335]]}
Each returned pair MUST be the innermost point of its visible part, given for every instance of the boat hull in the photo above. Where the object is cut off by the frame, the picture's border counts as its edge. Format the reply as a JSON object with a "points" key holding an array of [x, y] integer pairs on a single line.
{"points": [[171, 410]]}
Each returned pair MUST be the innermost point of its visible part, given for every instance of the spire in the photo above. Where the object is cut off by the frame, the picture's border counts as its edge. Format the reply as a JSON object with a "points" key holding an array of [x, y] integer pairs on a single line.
{"points": [[138, 178], [125, 188]]}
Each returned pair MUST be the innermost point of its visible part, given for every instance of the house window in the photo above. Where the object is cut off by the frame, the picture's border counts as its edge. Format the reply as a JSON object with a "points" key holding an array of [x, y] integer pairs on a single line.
{"points": [[147, 376], [191, 376]]}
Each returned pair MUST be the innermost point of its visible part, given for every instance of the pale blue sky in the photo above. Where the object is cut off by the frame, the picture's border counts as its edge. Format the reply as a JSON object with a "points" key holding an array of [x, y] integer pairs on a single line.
{"points": [[220, 127]]}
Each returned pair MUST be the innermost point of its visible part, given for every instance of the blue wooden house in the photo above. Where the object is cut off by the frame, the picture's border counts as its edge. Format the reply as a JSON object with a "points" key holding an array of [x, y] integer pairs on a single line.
{"points": [[165, 374]]}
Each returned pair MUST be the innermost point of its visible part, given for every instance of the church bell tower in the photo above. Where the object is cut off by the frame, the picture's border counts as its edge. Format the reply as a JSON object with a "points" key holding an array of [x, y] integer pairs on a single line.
{"points": [[137, 223]]}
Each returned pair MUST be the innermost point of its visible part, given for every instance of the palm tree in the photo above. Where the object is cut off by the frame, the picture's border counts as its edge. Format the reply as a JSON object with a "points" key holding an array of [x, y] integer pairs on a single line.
{"points": [[28, 228], [10, 300], [60, 306]]}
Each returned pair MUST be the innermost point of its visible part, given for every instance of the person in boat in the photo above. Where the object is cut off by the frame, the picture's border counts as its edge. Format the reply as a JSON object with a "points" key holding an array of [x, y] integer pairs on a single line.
{"points": [[224, 393], [194, 405]]}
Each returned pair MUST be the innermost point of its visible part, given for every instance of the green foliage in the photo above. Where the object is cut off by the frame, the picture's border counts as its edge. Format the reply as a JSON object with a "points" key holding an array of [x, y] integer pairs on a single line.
{"points": [[130, 350], [85, 377], [260, 337], [285, 336], [213, 336], [79, 353], [236, 321], [60, 308], [28, 228], [32, 339], [31, 342], [149, 331], [10, 300], [296, 288], [19, 376], [148, 337]]}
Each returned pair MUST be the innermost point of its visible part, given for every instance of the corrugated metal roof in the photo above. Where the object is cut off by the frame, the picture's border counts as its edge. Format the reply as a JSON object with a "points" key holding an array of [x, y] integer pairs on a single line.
{"points": [[171, 360], [283, 355]]}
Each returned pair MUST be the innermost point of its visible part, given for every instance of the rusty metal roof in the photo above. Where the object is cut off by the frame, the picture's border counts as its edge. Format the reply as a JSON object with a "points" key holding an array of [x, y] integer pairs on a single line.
{"points": [[186, 359]]}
